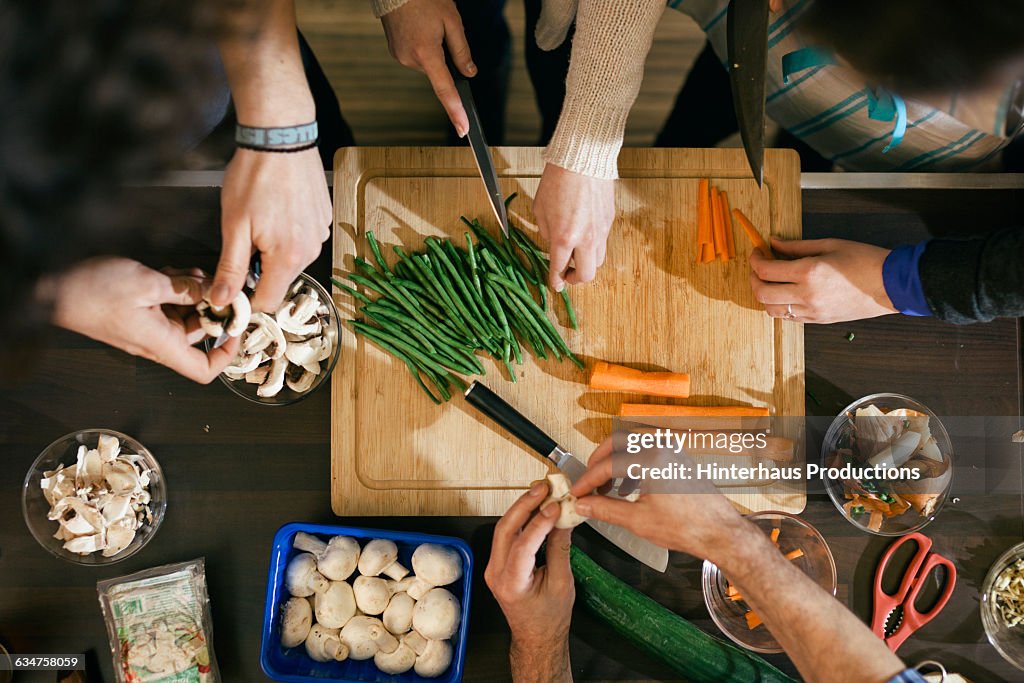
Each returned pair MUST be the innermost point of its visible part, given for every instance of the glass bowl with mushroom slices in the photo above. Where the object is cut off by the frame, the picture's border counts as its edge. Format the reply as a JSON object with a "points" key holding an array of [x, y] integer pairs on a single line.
{"points": [[907, 455], [94, 497], [286, 355], [1002, 605]]}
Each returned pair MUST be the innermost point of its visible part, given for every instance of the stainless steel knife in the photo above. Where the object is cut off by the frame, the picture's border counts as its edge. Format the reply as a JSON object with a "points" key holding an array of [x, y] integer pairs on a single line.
{"points": [[495, 407], [481, 152], [747, 49]]}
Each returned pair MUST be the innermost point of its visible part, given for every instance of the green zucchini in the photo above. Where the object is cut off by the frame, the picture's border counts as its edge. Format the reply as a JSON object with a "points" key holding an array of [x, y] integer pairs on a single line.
{"points": [[689, 651]]}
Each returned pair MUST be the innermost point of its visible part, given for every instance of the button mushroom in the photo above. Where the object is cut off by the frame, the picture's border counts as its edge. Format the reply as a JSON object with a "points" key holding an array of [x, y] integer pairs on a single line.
{"points": [[380, 556], [372, 594], [296, 620], [436, 616], [325, 645], [230, 320], [558, 493], [336, 605], [336, 559], [434, 565], [435, 659], [299, 314], [365, 635], [398, 662], [397, 616], [301, 577]]}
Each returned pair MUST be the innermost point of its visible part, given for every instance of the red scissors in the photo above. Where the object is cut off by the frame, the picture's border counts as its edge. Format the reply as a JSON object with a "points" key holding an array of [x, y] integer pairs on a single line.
{"points": [[895, 616]]}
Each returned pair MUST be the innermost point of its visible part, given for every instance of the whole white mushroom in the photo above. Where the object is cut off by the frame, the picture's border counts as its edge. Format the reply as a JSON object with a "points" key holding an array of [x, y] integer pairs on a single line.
{"points": [[372, 594], [325, 645], [296, 620], [436, 616], [401, 660], [365, 635], [435, 659], [398, 614], [337, 559], [336, 605], [301, 577], [380, 556]]}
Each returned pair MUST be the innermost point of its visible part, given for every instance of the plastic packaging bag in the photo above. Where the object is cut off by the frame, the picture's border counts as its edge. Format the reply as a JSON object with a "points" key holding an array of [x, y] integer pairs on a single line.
{"points": [[159, 625]]}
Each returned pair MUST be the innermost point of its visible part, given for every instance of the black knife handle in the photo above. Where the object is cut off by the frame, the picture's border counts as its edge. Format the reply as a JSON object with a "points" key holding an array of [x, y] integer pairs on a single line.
{"points": [[496, 408]]}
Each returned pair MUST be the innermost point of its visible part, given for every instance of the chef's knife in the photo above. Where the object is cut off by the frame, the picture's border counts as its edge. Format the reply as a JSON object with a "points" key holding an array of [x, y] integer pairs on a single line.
{"points": [[495, 407], [481, 152], [747, 41]]}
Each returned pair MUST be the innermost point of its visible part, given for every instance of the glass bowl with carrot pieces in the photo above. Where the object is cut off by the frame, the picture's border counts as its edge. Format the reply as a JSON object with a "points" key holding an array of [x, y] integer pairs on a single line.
{"points": [[894, 461], [801, 544]]}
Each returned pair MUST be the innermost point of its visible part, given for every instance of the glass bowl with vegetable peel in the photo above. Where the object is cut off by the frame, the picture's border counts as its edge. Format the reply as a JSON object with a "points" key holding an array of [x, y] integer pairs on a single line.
{"points": [[906, 456], [1002, 605], [801, 544]]}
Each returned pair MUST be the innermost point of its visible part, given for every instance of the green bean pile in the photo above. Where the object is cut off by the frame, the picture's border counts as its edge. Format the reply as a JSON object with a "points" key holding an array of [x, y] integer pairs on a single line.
{"points": [[436, 308]]}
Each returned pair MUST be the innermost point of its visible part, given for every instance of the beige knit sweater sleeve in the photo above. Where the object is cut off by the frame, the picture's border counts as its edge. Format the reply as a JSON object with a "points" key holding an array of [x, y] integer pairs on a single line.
{"points": [[609, 49], [382, 7]]}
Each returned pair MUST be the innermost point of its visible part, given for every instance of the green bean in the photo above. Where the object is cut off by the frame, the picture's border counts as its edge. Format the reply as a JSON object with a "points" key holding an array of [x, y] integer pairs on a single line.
{"points": [[352, 290], [423, 358], [569, 310], [411, 306], [454, 283], [457, 312], [378, 257], [413, 368], [472, 262], [542, 319], [497, 308], [387, 320]]}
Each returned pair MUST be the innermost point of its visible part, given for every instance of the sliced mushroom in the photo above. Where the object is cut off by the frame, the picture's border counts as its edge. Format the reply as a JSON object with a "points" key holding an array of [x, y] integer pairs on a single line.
{"points": [[275, 379], [298, 315], [231, 319], [119, 537], [266, 336], [302, 384]]}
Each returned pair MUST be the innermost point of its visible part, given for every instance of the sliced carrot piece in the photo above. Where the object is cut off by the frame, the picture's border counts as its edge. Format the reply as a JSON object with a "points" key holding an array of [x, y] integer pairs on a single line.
{"points": [[730, 237], [793, 554], [753, 620], [753, 234], [610, 377], [721, 241], [731, 590], [708, 254], [703, 213], [659, 410], [735, 598], [775, 535]]}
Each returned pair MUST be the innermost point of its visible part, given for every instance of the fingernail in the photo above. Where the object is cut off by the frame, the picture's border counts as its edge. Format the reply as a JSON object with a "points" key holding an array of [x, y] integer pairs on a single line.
{"points": [[559, 287], [549, 509], [536, 489], [583, 507], [463, 131], [220, 293], [471, 67]]}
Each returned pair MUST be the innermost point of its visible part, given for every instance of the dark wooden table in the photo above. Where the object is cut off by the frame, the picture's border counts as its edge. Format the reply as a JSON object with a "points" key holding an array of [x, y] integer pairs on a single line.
{"points": [[238, 471]]}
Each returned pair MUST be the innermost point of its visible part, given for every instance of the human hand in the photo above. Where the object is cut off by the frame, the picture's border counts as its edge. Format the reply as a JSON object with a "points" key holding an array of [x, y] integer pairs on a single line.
{"points": [[277, 204], [417, 34], [537, 602], [699, 520], [826, 281], [574, 214], [141, 311]]}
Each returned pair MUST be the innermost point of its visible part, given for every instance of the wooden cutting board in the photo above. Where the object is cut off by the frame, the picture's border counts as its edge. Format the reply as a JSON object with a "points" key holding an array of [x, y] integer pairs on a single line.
{"points": [[393, 452]]}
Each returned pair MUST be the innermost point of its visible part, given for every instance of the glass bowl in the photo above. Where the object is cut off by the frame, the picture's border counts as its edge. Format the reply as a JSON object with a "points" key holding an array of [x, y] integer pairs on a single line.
{"points": [[816, 562], [1007, 640], [287, 396], [63, 451], [841, 438]]}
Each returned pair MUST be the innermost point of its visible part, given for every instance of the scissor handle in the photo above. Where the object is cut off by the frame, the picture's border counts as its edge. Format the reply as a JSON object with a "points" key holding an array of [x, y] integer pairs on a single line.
{"points": [[912, 618], [885, 603]]}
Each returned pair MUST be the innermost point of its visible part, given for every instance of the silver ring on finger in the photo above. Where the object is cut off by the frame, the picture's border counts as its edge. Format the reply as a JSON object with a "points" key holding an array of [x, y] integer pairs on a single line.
{"points": [[790, 315]]}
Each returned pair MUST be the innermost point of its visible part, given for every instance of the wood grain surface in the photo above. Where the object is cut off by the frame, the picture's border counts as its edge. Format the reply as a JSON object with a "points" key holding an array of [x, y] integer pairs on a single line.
{"points": [[237, 471], [654, 307]]}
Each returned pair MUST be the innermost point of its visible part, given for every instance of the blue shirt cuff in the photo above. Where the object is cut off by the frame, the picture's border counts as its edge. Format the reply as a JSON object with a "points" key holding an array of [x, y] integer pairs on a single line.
{"points": [[902, 280]]}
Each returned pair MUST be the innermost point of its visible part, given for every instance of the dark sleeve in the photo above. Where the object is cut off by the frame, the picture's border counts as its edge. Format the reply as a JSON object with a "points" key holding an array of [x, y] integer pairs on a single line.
{"points": [[975, 280]]}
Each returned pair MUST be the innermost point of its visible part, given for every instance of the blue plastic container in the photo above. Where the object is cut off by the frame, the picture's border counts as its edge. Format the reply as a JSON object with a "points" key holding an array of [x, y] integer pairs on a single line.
{"points": [[295, 666]]}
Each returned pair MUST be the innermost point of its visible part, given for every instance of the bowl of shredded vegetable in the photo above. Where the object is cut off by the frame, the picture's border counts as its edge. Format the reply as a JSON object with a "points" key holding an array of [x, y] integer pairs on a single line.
{"points": [[1002, 605]]}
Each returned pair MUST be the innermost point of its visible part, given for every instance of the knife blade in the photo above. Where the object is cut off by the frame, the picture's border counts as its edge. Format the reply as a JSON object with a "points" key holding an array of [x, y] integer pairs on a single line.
{"points": [[499, 410], [481, 152], [747, 40]]}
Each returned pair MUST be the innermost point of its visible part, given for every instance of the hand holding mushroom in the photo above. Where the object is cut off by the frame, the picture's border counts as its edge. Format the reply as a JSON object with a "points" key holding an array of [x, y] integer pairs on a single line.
{"points": [[537, 602], [139, 310]]}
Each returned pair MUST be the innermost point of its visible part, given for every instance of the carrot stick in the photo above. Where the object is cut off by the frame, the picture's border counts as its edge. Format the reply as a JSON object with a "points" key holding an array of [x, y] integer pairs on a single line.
{"points": [[753, 234], [721, 241], [658, 410], [775, 535], [736, 597], [731, 590], [793, 554], [708, 253], [703, 213], [730, 238], [753, 621], [610, 377], [717, 232]]}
